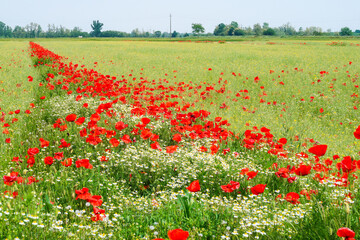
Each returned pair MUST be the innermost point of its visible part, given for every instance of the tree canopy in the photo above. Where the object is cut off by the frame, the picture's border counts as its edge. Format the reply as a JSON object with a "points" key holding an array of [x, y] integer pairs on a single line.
{"points": [[96, 27]]}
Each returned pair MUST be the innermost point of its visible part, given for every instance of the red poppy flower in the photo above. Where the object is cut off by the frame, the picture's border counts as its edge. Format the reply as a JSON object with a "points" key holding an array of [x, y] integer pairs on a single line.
{"points": [[49, 161], [318, 150], [282, 172], [126, 139], [43, 143], [155, 145], [71, 117], [258, 189], [282, 141], [230, 187], [83, 163], [357, 133], [67, 162], [120, 125], [177, 137], [145, 120], [171, 149], [59, 155], [178, 234], [32, 151], [194, 186], [345, 232], [80, 120], [303, 170], [82, 194], [251, 174], [292, 197], [114, 142], [95, 200]]}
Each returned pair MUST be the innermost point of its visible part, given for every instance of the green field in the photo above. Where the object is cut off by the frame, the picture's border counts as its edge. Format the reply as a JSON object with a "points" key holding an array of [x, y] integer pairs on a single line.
{"points": [[192, 60], [144, 137]]}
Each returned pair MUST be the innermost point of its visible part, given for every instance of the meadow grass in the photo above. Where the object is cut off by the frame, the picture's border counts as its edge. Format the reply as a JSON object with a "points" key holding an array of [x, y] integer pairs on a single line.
{"points": [[192, 60]]}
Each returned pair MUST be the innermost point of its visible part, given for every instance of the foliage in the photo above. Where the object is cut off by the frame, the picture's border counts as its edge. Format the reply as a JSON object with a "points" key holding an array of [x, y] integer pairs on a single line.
{"points": [[269, 32], [345, 31], [197, 28], [96, 28]]}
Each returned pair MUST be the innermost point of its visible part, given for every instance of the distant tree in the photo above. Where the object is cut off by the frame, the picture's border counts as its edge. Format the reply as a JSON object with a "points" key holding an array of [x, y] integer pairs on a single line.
{"points": [[345, 31], [234, 24], [313, 31], [357, 31], [265, 26], [2, 29], [33, 30], [220, 30], [269, 32], [231, 30], [157, 34], [257, 29], [186, 35], [197, 28], [76, 32], [174, 34], [301, 31], [19, 32], [96, 27], [287, 29], [239, 32]]}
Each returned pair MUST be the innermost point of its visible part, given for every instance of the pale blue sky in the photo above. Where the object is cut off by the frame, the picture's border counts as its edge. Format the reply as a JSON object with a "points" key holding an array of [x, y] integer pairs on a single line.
{"points": [[149, 15]]}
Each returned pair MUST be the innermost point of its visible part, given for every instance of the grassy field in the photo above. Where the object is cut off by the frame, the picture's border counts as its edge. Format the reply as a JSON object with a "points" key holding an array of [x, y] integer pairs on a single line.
{"points": [[192, 60], [135, 139]]}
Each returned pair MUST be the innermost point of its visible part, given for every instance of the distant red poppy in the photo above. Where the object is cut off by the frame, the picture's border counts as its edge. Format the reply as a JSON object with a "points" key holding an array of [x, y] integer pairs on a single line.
{"points": [[71, 117], [80, 120], [357, 133], [303, 170], [258, 189], [230, 187], [67, 162], [171, 149], [177, 137], [251, 175], [83, 163], [114, 142], [82, 194], [292, 197], [120, 125], [49, 161], [32, 151], [318, 150], [178, 234], [194, 186]]}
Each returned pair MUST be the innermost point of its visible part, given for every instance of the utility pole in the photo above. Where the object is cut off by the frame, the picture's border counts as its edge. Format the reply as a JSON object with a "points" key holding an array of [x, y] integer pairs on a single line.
{"points": [[170, 25]]}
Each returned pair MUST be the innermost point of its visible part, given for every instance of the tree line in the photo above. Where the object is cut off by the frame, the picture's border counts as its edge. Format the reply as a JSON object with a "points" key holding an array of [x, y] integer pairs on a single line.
{"points": [[34, 30]]}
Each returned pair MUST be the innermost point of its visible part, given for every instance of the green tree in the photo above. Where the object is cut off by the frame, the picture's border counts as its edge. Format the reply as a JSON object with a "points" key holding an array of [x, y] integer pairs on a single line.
{"points": [[257, 29], [287, 29], [234, 24], [345, 31], [265, 25], [96, 27], [239, 32], [157, 34], [197, 28], [220, 30], [174, 34], [269, 32], [231, 30]]}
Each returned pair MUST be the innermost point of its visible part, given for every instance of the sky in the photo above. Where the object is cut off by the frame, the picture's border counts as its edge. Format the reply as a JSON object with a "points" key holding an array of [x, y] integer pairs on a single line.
{"points": [[153, 15]]}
